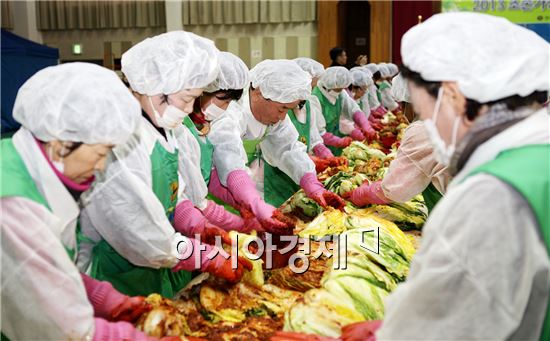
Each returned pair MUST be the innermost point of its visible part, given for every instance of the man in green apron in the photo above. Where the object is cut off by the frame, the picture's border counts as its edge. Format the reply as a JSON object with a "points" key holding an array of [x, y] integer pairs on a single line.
{"points": [[342, 114], [129, 225], [268, 137]]}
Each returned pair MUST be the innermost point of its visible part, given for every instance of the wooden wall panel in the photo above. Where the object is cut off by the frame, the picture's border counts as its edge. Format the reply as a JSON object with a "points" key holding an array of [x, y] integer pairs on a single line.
{"points": [[328, 30], [380, 33]]}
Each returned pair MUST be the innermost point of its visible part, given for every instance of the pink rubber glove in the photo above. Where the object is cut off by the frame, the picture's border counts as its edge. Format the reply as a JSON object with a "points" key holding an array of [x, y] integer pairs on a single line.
{"points": [[368, 194], [220, 191], [244, 191], [118, 331], [315, 190], [217, 266], [357, 135], [378, 112], [112, 305], [217, 215], [361, 331], [362, 122], [189, 221], [321, 151], [335, 141]]}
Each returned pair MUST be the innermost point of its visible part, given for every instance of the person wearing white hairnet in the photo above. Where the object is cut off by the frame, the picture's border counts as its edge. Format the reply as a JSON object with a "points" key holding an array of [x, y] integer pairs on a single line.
{"points": [[46, 166], [483, 268], [218, 100], [384, 86], [342, 114], [400, 93], [308, 119], [270, 155], [377, 109], [146, 196], [361, 80]]}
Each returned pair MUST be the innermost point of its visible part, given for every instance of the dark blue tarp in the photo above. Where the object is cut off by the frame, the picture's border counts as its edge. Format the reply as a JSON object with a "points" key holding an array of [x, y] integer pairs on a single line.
{"points": [[21, 58]]}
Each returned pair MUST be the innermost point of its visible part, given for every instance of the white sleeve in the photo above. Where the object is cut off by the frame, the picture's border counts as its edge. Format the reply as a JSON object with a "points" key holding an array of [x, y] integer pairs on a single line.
{"points": [[366, 105], [479, 271], [373, 98], [320, 122], [125, 211], [387, 99], [281, 149], [349, 106], [225, 134], [43, 297], [314, 136], [414, 167], [192, 186]]}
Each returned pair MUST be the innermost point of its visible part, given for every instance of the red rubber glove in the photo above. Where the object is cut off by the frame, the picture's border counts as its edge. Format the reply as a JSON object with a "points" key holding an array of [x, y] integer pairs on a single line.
{"points": [[190, 221], [367, 194], [357, 135], [217, 266], [321, 151], [112, 305], [360, 331], [335, 141], [244, 191], [315, 190]]}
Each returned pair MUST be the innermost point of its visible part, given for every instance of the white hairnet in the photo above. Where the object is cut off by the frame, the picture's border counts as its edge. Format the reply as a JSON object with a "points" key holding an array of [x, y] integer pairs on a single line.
{"points": [[335, 77], [78, 102], [399, 89], [384, 70], [233, 74], [359, 77], [313, 67], [394, 70], [170, 62], [372, 67], [489, 57], [281, 80]]}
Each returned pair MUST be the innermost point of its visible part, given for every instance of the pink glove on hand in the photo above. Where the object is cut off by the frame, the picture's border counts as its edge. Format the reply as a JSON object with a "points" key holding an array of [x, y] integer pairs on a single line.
{"points": [[220, 191], [368, 194], [362, 122], [315, 190], [244, 191], [189, 221], [112, 305], [118, 331], [217, 215], [378, 112], [357, 135], [335, 141], [321, 151], [218, 266]]}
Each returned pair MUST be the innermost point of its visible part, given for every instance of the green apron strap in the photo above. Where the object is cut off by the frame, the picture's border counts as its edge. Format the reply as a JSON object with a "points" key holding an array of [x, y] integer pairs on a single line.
{"points": [[526, 169], [251, 148], [207, 149], [431, 196], [331, 113], [278, 186], [109, 265]]}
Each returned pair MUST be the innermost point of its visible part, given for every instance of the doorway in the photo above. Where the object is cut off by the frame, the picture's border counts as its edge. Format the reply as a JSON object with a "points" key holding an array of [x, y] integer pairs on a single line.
{"points": [[354, 18]]}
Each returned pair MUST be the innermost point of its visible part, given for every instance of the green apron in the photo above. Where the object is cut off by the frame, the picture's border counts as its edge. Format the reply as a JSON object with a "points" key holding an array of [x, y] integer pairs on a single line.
{"points": [[382, 86], [331, 113], [17, 182], [527, 170], [134, 280], [431, 196], [207, 149], [278, 186]]}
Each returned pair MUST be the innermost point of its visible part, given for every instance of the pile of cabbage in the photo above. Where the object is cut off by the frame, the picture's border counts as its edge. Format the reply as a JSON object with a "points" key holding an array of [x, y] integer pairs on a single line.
{"points": [[375, 262]]}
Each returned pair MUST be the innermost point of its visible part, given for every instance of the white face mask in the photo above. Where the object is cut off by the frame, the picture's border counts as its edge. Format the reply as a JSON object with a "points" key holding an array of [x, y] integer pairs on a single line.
{"points": [[443, 153], [171, 118], [213, 112], [57, 164]]}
